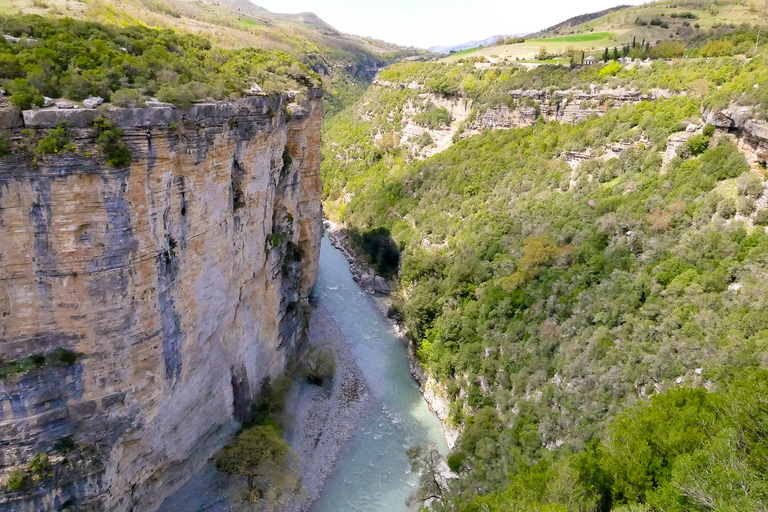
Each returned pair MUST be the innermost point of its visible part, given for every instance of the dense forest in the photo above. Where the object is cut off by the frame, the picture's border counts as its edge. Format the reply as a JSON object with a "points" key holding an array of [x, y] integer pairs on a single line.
{"points": [[126, 66], [598, 328]]}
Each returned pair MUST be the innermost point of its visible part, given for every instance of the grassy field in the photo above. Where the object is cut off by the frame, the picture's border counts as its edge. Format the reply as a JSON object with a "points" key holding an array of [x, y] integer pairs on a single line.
{"points": [[528, 50], [620, 27]]}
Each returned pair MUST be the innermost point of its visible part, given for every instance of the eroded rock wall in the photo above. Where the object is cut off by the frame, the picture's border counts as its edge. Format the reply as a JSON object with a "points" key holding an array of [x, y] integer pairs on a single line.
{"points": [[178, 281]]}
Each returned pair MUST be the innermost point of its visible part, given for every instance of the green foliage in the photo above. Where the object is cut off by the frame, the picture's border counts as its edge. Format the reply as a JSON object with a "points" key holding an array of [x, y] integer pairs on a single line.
{"points": [[667, 50], [4, 147], [433, 117], [761, 218], [750, 184], [261, 456], [39, 464], [17, 480], [610, 69], [55, 141], [380, 250], [110, 143], [75, 59], [23, 94], [697, 144]]}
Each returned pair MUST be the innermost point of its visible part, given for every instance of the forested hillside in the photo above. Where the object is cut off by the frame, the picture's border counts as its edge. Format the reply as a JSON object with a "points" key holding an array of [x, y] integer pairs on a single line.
{"points": [[594, 315]]}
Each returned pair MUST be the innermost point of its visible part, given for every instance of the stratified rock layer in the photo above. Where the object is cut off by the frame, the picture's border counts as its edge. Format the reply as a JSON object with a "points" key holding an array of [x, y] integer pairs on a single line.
{"points": [[179, 280]]}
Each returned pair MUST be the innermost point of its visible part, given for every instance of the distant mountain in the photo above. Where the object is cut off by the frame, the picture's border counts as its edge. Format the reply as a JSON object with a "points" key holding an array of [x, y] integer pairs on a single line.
{"points": [[576, 20], [469, 44], [307, 18]]}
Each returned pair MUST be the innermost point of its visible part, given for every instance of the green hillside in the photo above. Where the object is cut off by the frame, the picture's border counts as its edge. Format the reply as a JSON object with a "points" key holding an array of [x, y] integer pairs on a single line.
{"points": [[346, 63], [576, 317], [686, 20]]}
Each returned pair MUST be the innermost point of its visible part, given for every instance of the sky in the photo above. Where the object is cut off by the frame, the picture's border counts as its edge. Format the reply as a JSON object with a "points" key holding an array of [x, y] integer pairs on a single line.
{"points": [[426, 23]]}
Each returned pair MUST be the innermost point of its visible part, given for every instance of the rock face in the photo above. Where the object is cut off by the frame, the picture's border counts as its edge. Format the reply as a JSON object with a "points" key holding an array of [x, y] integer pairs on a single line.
{"points": [[174, 287], [568, 106], [752, 136]]}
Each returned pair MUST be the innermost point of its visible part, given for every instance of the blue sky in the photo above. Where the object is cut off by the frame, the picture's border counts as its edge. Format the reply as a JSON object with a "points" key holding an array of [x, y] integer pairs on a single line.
{"points": [[440, 22]]}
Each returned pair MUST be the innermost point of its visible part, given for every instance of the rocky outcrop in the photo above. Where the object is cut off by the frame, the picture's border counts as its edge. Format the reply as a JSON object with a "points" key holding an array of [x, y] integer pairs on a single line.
{"points": [[363, 274], [524, 109], [143, 307], [752, 136], [569, 106]]}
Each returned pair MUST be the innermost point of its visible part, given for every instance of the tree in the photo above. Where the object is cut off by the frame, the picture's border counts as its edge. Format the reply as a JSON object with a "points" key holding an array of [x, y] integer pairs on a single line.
{"points": [[606, 56], [615, 53], [434, 475], [319, 364], [261, 456]]}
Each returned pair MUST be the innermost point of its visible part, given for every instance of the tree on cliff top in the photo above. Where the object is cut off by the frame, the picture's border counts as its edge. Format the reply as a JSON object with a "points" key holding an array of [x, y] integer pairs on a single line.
{"points": [[261, 456]]}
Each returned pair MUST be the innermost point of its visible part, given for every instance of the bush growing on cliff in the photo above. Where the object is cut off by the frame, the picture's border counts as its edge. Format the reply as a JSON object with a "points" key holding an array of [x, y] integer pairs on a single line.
{"points": [[55, 141], [17, 480], [110, 143], [433, 117]]}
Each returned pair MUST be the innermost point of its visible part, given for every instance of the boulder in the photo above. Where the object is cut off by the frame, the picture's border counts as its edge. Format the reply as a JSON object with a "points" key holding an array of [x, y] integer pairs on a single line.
{"points": [[93, 102], [51, 117], [367, 281], [381, 285], [48, 102], [65, 105], [255, 89]]}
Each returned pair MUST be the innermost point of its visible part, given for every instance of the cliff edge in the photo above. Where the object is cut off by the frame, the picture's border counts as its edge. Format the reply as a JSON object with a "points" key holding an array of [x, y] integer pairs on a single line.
{"points": [[143, 307]]}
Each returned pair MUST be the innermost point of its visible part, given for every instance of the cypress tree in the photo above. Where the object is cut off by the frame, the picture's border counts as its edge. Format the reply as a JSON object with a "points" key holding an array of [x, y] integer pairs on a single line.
{"points": [[605, 55]]}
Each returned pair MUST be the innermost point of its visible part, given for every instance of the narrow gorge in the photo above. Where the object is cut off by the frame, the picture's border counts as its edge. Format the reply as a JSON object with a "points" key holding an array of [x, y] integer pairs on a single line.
{"points": [[152, 300]]}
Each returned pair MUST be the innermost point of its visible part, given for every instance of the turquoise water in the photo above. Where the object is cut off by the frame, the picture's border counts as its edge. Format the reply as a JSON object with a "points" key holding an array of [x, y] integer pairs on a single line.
{"points": [[372, 473]]}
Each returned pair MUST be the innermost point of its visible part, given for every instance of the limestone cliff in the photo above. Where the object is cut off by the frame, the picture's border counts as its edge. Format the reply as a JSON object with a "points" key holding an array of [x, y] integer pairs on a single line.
{"points": [[469, 117], [150, 302]]}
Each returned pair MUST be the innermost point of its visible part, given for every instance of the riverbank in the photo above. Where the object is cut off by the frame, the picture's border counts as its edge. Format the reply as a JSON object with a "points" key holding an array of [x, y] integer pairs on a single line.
{"points": [[321, 421], [434, 393], [325, 419]]}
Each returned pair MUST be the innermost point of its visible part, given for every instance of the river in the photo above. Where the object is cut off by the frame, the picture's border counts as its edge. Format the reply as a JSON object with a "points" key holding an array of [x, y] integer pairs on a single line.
{"points": [[372, 473]]}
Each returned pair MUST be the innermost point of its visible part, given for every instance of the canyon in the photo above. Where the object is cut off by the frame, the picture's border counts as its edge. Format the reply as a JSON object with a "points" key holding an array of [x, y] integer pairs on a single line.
{"points": [[154, 300]]}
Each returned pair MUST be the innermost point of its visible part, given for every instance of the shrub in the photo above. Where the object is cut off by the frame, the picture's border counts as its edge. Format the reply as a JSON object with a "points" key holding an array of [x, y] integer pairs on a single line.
{"points": [[726, 207], [433, 117], [720, 48], [697, 144], [4, 148], [127, 98], [179, 95], [55, 140], [39, 464], [17, 480], [23, 95], [745, 205], [667, 50], [610, 69], [319, 365], [750, 185], [761, 218], [708, 130], [117, 152]]}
